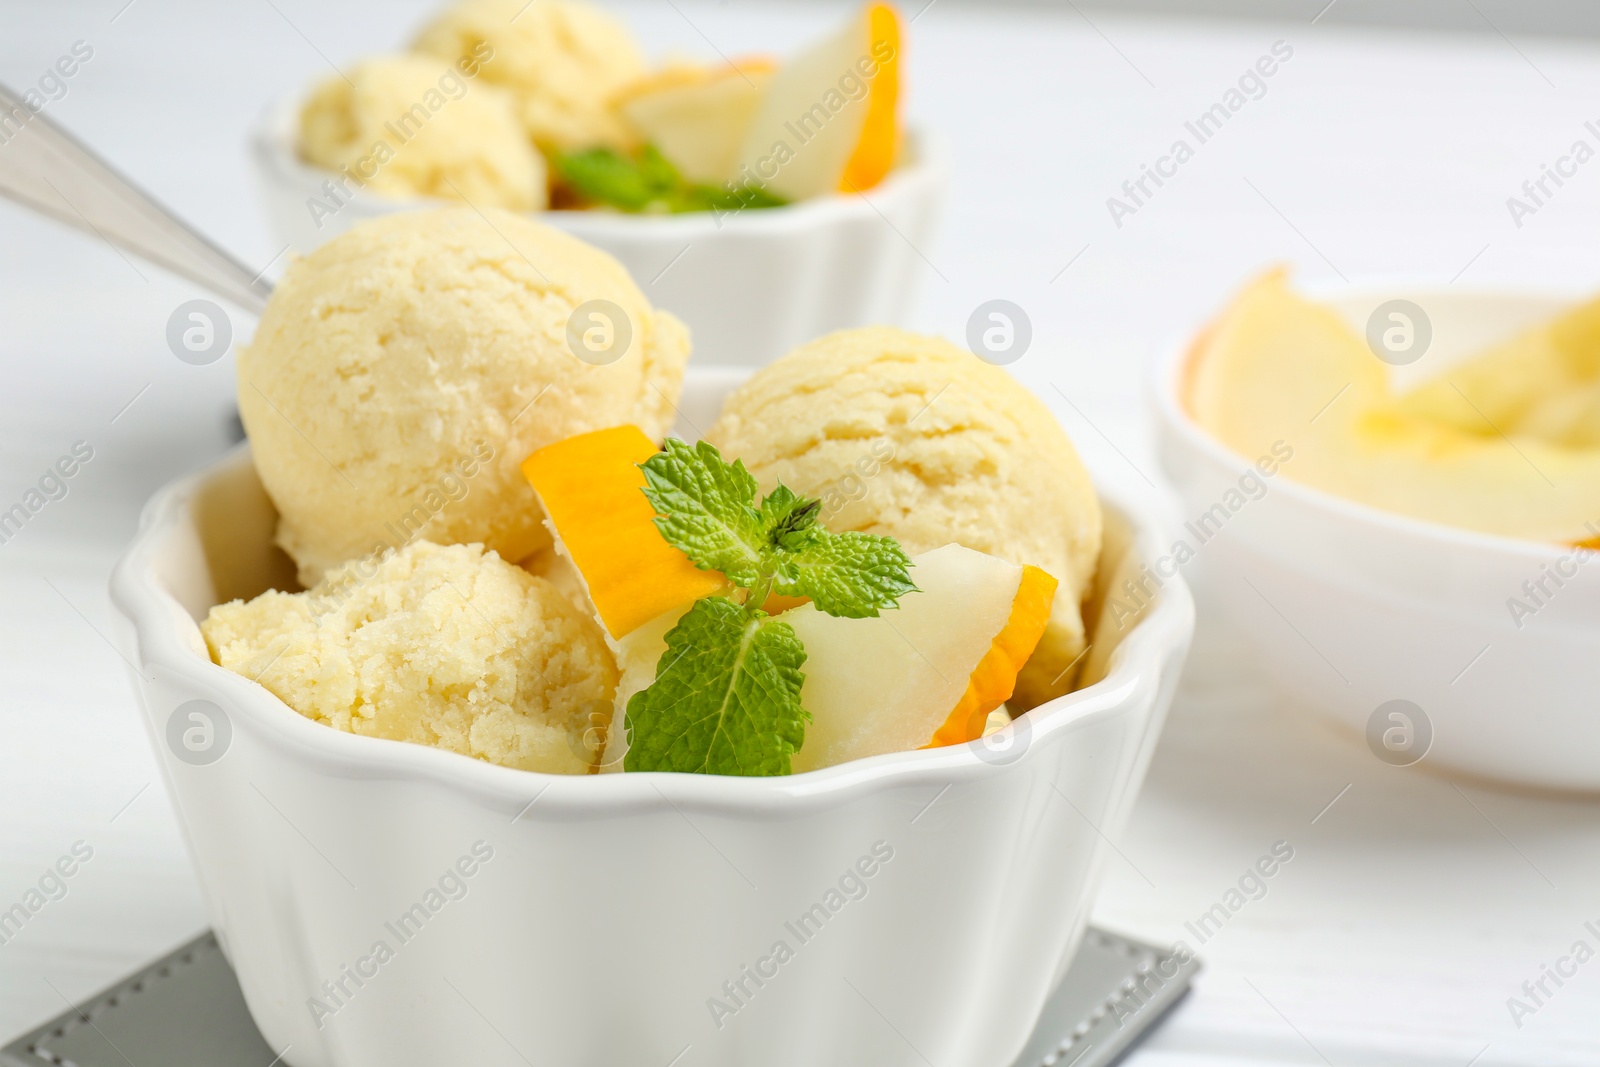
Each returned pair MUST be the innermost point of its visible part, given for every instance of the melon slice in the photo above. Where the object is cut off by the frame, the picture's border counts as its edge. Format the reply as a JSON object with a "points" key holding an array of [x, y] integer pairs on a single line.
{"points": [[1277, 375], [829, 119], [698, 116], [932, 672], [926, 673], [591, 489], [1544, 383]]}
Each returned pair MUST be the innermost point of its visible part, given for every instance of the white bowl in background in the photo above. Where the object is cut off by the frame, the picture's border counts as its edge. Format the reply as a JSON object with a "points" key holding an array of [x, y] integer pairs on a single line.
{"points": [[751, 285], [1350, 607], [614, 907]]}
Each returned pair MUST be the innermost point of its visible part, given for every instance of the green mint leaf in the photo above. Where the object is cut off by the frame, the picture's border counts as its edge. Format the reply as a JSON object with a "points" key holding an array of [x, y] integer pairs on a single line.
{"points": [[658, 172], [756, 198], [605, 177], [727, 200], [726, 699], [648, 182], [855, 575], [706, 507], [787, 517]]}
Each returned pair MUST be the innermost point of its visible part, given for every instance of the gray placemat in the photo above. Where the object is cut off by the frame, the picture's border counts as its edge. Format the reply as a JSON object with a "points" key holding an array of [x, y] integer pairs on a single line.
{"points": [[1116, 990], [185, 1010]]}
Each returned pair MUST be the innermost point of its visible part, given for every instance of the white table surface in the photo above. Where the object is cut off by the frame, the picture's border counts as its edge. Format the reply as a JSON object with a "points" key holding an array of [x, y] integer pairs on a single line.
{"points": [[1412, 909]]}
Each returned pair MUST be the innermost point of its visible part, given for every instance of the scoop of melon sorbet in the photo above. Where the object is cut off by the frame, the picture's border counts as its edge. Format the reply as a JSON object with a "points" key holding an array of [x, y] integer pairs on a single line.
{"points": [[910, 436], [448, 646], [403, 370], [471, 149]]}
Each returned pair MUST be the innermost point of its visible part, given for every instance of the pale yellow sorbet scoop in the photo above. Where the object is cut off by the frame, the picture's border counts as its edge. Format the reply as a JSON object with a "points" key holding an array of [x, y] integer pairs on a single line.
{"points": [[412, 126], [561, 61], [404, 370], [444, 646], [912, 437]]}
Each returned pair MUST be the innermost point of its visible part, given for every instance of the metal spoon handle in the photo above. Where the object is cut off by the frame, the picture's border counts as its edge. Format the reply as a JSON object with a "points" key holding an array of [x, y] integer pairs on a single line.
{"points": [[46, 169]]}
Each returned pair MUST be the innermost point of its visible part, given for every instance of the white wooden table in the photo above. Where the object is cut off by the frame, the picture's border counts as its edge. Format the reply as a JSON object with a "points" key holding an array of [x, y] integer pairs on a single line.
{"points": [[1412, 909]]}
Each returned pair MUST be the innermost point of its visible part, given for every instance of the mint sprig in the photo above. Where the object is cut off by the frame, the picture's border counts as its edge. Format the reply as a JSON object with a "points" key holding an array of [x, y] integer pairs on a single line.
{"points": [[706, 507], [648, 182], [787, 517], [854, 575], [726, 698]]}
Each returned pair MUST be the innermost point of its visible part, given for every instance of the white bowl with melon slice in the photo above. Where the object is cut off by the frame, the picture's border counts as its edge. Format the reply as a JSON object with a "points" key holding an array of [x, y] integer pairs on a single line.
{"points": [[620, 917], [1402, 554], [821, 129]]}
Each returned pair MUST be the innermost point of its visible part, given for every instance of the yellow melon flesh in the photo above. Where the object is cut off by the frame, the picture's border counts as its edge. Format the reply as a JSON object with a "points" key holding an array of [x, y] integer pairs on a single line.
{"points": [[698, 116], [1276, 372], [590, 487], [829, 119], [925, 673], [1544, 383]]}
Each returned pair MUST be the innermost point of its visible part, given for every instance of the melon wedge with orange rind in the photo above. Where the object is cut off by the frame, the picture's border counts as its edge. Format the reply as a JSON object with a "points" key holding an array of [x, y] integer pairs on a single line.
{"points": [[879, 142], [591, 489], [828, 120], [995, 677], [927, 673], [934, 671]]}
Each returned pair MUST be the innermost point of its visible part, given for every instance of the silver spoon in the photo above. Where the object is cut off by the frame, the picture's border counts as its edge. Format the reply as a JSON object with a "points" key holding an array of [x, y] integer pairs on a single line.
{"points": [[44, 168]]}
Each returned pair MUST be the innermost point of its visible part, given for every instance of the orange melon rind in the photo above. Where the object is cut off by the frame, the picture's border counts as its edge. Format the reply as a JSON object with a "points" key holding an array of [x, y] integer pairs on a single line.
{"points": [[995, 677], [591, 489]]}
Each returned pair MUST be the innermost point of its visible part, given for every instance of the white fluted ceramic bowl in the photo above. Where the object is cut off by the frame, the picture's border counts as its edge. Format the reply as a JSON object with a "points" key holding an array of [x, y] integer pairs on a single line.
{"points": [[953, 884], [750, 285], [1350, 608]]}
